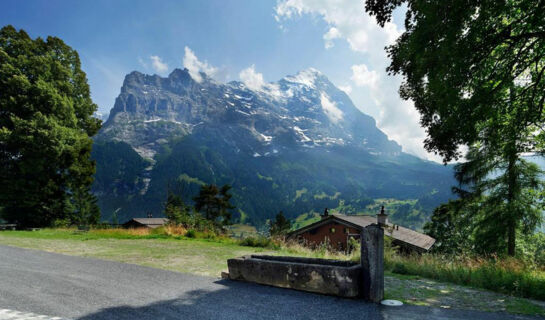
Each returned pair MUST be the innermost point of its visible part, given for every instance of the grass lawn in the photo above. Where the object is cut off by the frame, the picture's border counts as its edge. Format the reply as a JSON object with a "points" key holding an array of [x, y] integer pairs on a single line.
{"points": [[208, 258], [197, 256]]}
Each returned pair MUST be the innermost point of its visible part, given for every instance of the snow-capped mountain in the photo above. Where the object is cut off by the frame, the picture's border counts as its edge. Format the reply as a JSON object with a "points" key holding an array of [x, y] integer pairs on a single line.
{"points": [[304, 110], [296, 145]]}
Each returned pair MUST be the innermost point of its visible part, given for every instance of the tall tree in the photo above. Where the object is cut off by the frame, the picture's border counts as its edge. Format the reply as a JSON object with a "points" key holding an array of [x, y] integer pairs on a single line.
{"points": [[176, 210], [84, 208], [452, 227], [475, 71], [280, 226], [45, 128], [507, 191], [215, 203]]}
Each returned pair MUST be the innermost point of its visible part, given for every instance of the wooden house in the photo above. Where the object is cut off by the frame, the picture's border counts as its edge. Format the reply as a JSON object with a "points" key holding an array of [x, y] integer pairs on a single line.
{"points": [[337, 229], [151, 223]]}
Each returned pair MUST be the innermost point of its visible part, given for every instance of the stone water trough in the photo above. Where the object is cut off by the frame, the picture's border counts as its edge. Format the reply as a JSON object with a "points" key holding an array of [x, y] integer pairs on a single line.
{"points": [[332, 277]]}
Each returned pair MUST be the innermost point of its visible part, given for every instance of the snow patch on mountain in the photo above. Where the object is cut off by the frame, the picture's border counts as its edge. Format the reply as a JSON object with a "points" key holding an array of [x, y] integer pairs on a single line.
{"points": [[306, 77], [330, 108], [301, 133]]}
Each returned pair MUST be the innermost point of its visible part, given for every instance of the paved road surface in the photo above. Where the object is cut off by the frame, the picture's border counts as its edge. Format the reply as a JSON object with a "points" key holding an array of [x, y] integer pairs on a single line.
{"points": [[41, 285]]}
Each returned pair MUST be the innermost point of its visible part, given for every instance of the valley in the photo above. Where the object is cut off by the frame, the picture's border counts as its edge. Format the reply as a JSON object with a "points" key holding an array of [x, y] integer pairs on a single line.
{"points": [[297, 145]]}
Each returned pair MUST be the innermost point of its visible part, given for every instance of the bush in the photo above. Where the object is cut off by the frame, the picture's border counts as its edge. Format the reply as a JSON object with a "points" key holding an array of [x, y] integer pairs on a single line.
{"points": [[400, 268], [191, 233], [259, 242]]}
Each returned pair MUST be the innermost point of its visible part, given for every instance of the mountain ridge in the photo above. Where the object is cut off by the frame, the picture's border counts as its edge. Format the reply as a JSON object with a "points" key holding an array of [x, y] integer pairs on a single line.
{"points": [[301, 132]]}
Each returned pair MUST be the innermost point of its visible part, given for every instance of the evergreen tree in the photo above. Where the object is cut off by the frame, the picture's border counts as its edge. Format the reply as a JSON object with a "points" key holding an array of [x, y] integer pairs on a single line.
{"points": [[280, 226], [215, 203], [498, 200], [475, 72], [176, 211], [452, 226], [83, 207], [45, 128], [224, 204], [508, 192]]}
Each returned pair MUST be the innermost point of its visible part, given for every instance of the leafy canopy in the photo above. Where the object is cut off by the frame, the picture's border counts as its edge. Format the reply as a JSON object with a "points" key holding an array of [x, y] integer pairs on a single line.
{"points": [[474, 69], [475, 72], [215, 203], [280, 226], [45, 128]]}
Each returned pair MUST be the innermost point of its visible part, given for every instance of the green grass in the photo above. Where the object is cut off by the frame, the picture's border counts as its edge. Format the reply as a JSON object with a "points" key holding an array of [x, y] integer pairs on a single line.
{"points": [[524, 307], [504, 275], [177, 253], [324, 195], [199, 256], [188, 179], [300, 193], [267, 178], [242, 230], [304, 220]]}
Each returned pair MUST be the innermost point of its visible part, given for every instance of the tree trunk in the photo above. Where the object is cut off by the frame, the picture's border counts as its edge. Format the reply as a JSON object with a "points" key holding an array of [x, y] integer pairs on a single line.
{"points": [[511, 239], [511, 181]]}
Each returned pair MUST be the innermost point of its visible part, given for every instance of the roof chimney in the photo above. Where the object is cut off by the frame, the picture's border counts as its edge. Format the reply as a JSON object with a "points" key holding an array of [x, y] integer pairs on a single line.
{"points": [[382, 218], [325, 214]]}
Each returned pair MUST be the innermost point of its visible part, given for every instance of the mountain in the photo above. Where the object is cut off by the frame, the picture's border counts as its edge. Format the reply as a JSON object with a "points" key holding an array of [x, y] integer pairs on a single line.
{"points": [[296, 145]]}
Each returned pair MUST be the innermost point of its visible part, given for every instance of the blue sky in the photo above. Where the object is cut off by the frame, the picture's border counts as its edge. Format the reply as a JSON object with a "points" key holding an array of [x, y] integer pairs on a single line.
{"points": [[277, 38]]}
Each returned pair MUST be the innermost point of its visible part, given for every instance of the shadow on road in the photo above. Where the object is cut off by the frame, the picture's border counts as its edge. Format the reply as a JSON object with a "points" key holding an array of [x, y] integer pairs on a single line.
{"points": [[237, 300]]}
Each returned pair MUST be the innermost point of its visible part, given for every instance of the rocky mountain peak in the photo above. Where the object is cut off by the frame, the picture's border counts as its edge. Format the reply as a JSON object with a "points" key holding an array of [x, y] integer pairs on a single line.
{"points": [[302, 110]]}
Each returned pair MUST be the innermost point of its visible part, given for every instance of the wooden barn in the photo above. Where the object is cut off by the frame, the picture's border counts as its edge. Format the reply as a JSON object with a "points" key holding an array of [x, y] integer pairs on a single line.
{"points": [[338, 229], [151, 223]]}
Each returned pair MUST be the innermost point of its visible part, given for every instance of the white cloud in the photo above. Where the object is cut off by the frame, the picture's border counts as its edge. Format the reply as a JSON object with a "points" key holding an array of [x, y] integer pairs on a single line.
{"points": [[363, 77], [329, 36], [330, 108], [347, 20], [142, 63], [346, 88], [195, 66], [254, 81], [158, 65]]}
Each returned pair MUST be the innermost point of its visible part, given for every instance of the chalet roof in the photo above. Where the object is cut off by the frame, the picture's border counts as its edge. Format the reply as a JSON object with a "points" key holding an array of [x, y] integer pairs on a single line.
{"points": [[399, 233], [149, 222]]}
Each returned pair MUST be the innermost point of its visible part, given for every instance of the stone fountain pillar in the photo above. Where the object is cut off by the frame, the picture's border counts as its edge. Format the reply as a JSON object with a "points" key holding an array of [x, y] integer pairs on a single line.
{"points": [[372, 263]]}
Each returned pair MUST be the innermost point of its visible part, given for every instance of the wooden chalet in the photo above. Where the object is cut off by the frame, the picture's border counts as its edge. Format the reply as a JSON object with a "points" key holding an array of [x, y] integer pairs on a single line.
{"points": [[338, 229], [151, 223]]}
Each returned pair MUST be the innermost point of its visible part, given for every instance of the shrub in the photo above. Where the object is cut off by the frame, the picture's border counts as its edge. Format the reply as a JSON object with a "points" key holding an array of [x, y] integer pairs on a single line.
{"points": [[191, 233], [173, 230], [258, 241], [400, 268]]}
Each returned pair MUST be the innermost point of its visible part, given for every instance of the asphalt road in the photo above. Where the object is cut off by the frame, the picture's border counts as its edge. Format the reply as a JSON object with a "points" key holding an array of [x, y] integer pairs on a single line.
{"points": [[39, 283]]}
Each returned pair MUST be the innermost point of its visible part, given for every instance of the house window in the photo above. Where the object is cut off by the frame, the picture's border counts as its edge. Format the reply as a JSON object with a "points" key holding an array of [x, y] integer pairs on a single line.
{"points": [[331, 230], [346, 230]]}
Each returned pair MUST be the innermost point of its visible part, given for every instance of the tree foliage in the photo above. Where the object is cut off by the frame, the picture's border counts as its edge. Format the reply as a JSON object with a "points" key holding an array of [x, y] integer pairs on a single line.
{"points": [[475, 71], [215, 203], [452, 227], [45, 127], [499, 200], [280, 226], [176, 210]]}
